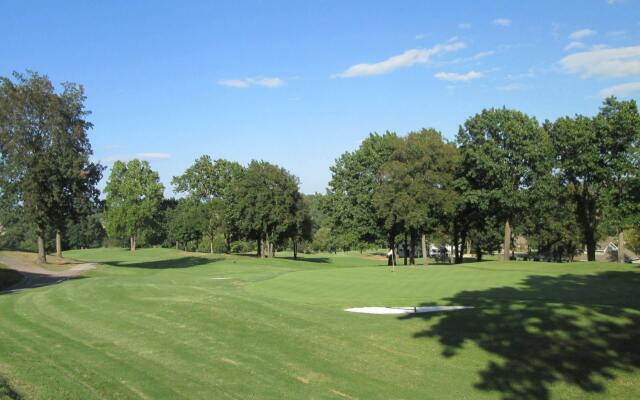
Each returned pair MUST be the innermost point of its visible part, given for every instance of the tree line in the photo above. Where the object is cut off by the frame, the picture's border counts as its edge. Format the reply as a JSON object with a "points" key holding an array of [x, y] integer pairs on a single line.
{"points": [[561, 184]]}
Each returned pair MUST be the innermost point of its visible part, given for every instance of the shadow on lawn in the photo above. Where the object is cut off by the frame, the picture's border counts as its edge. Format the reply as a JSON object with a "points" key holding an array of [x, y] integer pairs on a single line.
{"points": [[31, 280], [7, 392], [181, 262], [319, 260], [575, 329]]}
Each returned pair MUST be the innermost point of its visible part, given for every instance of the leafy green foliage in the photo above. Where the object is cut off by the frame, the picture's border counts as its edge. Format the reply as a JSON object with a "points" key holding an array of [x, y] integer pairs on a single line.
{"points": [[133, 197]]}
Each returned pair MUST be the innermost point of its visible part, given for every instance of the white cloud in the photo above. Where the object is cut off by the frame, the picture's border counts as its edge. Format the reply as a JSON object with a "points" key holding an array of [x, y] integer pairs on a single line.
{"points": [[153, 156], [581, 34], [621, 90], [615, 2], [615, 62], [522, 76], [256, 81], [465, 25], [574, 45], [501, 22], [456, 77], [404, 60], [512, 87], [599, 46]]}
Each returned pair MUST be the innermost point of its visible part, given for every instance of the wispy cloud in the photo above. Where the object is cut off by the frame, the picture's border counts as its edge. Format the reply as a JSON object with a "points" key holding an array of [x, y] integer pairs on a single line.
{"points": [[501, 22], [624, 89], [140, 156], [616, 34], [581, 34], [512, 87], [522, 76], [407, 59], [270, 83], [153, 156], [457, 77], [614, 62], [574, 45], [465, 25], [612, 2]]}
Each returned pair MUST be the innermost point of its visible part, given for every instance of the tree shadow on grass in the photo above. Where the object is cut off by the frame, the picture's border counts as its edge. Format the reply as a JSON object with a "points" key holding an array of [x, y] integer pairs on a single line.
{"points": [[7, 392], [575, 329], [319, 260], [181, 262], [32, 280]]}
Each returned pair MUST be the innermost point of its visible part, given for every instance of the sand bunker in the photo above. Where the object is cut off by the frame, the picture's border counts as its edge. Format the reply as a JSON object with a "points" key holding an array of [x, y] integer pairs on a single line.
{"points": [[404, 310]]}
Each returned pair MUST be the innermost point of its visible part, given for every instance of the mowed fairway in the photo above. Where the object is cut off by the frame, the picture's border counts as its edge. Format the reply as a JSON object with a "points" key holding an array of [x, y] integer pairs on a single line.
{"points": [[164, 324]]}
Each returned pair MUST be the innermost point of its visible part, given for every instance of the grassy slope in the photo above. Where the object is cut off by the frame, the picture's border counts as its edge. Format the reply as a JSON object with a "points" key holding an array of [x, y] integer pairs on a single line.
{"points": [[159, 325]]}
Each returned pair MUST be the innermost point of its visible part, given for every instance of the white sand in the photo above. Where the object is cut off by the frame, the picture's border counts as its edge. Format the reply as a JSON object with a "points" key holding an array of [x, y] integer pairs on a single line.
{"points": [[404, 310]]}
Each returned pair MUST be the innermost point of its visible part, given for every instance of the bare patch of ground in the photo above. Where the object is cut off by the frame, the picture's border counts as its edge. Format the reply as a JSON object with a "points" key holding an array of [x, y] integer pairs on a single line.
{"points": [[35, 275]]}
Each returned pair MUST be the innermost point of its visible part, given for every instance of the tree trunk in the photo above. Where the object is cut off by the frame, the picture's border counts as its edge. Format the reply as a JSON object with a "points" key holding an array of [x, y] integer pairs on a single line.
{"points": [[58, 244], [412, 244], [591, 249], [621, 246], [295, 249], [259, 247], [42, 254], [177, 245], [270, 250], [405, 249], [425, 251], [211, 245], [133, 243], [507, 240], [478, 254]]}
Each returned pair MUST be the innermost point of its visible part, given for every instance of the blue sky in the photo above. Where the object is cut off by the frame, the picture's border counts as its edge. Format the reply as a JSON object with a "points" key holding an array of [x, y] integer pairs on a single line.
{"points": [[298, 83]]}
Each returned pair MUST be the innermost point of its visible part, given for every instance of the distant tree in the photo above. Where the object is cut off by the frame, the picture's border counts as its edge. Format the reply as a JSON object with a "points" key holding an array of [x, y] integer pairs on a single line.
{"points": [[85, 233], [596, 163], [187, 222], [503, 153], [264, 203], [206, 181], [349, 202], [44, 153], [133, 197], [618, 128]]}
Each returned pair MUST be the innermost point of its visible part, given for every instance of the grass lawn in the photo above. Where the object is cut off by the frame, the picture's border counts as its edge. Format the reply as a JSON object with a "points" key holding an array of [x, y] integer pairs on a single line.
{"points": [[163, 324]]}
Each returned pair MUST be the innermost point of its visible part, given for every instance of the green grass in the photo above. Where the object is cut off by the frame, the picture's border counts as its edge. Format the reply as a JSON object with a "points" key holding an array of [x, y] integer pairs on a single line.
{"points": [[157, 324]]}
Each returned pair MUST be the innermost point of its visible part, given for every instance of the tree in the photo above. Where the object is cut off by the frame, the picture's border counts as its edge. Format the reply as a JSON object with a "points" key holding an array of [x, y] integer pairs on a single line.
{"points": [[597, 163], [618, 128], [133, 197], [44, 153], [264, 203], [187, 222], [206, 182], [349, 202], [503, 153]]}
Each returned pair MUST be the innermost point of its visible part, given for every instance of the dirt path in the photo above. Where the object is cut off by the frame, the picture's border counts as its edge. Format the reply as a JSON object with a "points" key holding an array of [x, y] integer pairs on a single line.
{"points": [[36, 276]]}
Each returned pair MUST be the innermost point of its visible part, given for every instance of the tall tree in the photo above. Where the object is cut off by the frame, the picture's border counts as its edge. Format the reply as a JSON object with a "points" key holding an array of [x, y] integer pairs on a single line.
{"points": [[596, 162], [503, 153], [264, 202], [44, 153], [349, 202], [133, 197], [206, 181], [618, 127]]}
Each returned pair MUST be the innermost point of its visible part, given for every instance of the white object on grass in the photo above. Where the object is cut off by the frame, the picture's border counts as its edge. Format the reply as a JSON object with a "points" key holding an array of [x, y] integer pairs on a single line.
{"points": [[219, 278], [404, 310]]}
